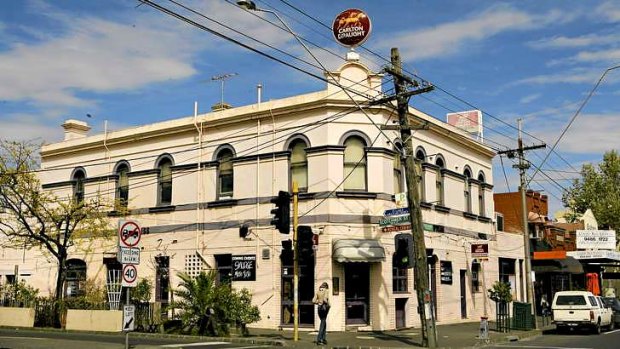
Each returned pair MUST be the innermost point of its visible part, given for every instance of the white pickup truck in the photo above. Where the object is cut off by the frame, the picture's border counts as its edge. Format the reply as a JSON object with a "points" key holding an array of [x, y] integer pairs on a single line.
{"points": [[572, 309]]}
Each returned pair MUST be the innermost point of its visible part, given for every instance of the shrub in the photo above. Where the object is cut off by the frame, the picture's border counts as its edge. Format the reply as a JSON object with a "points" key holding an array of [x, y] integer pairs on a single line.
{"points": [[500, 292], [20, 294]]}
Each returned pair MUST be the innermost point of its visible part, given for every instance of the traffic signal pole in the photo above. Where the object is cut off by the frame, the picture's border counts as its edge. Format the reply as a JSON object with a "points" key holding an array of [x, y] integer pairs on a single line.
{"points": [[429, 334], [295, 263]]}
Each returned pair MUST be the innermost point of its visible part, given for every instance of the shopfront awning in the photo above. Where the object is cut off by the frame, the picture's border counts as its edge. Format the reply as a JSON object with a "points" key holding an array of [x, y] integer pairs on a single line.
{"points": [[358, 250], [567, 265]]}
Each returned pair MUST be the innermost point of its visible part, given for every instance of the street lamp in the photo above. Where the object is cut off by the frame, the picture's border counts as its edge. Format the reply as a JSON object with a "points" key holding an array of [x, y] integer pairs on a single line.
{"points": [[251, 6]]}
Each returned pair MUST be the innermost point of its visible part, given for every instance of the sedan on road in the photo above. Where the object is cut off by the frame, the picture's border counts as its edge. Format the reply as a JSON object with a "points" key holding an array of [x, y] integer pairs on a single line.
{"points": [[614, 304]]}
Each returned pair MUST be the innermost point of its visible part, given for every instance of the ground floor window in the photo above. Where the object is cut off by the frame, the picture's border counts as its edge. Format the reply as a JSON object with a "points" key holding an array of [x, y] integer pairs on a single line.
{"points": [[76, 277], [224, 268], [162, 282]]}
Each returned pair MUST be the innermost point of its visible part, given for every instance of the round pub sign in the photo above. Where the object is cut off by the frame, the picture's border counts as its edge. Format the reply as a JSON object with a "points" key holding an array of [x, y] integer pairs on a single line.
{"points": [[351, 27]]}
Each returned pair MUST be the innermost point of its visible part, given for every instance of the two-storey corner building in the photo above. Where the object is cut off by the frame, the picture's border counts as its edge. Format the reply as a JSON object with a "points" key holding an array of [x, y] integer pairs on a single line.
{"points": [[193, 182]]}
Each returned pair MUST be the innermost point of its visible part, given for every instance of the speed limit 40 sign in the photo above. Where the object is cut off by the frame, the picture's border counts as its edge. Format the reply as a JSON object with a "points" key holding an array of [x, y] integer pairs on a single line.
{"points": [[130, 275]]}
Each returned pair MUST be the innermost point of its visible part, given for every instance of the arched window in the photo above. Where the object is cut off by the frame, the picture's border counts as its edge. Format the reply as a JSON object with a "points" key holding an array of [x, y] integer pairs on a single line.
{"points": [[420, 158], [481, 203], [164, 181], [299, 164], [78, 185], [439, 192], [122, 184], [225, 176], [354, 164], [467, 189], [398, 169], [76, 277]]}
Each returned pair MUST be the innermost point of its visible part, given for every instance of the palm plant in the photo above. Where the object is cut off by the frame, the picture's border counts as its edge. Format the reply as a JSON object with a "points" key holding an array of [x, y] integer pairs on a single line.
{"points": [[197, 299]]}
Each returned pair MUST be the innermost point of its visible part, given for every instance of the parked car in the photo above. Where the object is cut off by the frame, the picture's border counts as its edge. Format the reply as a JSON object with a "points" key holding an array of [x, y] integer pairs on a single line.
{"points": [[575, 309], [614, 304]]}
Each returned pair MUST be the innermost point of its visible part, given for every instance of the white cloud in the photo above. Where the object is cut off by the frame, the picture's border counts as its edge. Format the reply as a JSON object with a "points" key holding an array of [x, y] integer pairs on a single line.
{"points": [[589, 134], [608, 11], [29, 127], [573, 42], [450, 38], [612, 55], [529, 98], [572, 77]]}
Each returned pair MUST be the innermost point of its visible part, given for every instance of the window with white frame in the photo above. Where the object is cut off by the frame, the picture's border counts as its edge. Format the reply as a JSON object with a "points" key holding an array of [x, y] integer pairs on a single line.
{"points": [[354, 164], [299, 164], [225, 176]]}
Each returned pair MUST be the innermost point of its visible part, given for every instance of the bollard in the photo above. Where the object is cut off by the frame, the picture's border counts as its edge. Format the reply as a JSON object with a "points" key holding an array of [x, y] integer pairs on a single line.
{"points": [[484, 329]]}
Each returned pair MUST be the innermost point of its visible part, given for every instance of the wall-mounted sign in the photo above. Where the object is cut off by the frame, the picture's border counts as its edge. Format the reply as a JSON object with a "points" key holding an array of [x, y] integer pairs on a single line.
{"points": [[480, 251], [351, 27], [244, 268], [596, 239], [445, 268]]}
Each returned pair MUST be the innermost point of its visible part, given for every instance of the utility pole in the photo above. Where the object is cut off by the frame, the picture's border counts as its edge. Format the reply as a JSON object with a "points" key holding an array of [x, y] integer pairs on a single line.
{"points": [[429, 334], [523, 165]]}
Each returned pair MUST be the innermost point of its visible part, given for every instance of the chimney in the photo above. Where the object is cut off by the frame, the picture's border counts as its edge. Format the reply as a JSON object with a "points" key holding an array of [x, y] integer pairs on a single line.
{"points": [[75, 129]]}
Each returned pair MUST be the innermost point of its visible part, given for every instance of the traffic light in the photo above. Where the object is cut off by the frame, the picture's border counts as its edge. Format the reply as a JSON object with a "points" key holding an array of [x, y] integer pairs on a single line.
{"points": [[287, 252], [304, 240], [243, 231], [403, 257], [282, 213]]}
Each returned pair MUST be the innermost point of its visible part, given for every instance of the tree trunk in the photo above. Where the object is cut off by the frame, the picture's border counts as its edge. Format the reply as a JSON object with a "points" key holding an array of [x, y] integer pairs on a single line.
{"points": [[60, 278]]}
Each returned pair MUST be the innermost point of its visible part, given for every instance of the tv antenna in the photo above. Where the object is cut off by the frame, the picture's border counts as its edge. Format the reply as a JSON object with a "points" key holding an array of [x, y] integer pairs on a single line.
{"points": [[222, 79]]}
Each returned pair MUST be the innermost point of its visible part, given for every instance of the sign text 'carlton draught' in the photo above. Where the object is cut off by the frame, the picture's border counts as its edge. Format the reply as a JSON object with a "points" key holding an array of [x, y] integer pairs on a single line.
{"points": [[351, 27]]}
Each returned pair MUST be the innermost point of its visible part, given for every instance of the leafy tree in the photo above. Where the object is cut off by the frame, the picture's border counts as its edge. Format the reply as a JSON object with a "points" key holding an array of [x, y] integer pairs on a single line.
{"points": [[209, 307], [32, 217], [599, 190], [142, 292], [500, 292]]}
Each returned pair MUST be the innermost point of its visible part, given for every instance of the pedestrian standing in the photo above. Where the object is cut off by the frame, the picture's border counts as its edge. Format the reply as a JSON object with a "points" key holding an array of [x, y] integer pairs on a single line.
{"points": [[321, 298]]}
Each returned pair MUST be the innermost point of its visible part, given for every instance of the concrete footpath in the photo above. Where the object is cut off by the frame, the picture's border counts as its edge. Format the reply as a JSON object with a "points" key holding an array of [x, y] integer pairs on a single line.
{"points": [[463, 335]]}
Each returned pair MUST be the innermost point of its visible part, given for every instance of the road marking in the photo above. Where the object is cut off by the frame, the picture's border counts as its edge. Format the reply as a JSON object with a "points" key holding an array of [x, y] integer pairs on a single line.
{"points": [[611, 331], [8, 337], [192, 344], [536, 346], [254, 346]]}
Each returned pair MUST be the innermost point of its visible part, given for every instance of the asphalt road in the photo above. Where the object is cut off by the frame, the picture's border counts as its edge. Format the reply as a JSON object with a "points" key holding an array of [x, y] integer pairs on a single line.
{"points": [[25, 339], [572, 340]]}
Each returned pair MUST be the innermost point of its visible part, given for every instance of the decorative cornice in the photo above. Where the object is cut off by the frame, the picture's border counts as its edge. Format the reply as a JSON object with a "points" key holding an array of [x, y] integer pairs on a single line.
{"points": [[112, 177], [324, 149], [264, 156], [469, 215], [57, 184], [143, 172], [428, 165], [484, 219], [446, 172], [426, 204], [487, 186], [356, 195], [441, 208], [377, 150], [222, 203], [159, 209]]}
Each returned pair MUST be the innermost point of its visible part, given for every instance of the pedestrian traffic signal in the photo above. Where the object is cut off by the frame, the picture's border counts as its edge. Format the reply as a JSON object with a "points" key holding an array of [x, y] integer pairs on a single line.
{"points": [[287, 252], [282, 213], [403, 257]]}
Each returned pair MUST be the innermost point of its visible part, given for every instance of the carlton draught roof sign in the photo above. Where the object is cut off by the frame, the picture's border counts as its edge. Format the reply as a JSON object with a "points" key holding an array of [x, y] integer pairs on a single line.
{"points": [[351, 27]]}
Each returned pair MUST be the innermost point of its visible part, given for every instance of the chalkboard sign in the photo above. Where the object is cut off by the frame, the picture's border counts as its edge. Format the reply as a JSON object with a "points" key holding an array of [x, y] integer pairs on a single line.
{"points": [[446, 272], [244, 268]]}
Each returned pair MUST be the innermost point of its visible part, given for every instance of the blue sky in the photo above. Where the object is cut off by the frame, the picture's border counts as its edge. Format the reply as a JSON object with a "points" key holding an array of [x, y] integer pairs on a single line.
{"points": [[134, 65]]}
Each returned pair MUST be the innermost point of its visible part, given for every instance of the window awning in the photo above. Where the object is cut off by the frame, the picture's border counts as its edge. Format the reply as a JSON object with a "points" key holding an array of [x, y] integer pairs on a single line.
{"points": [[358, 250], [568, 265]]}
